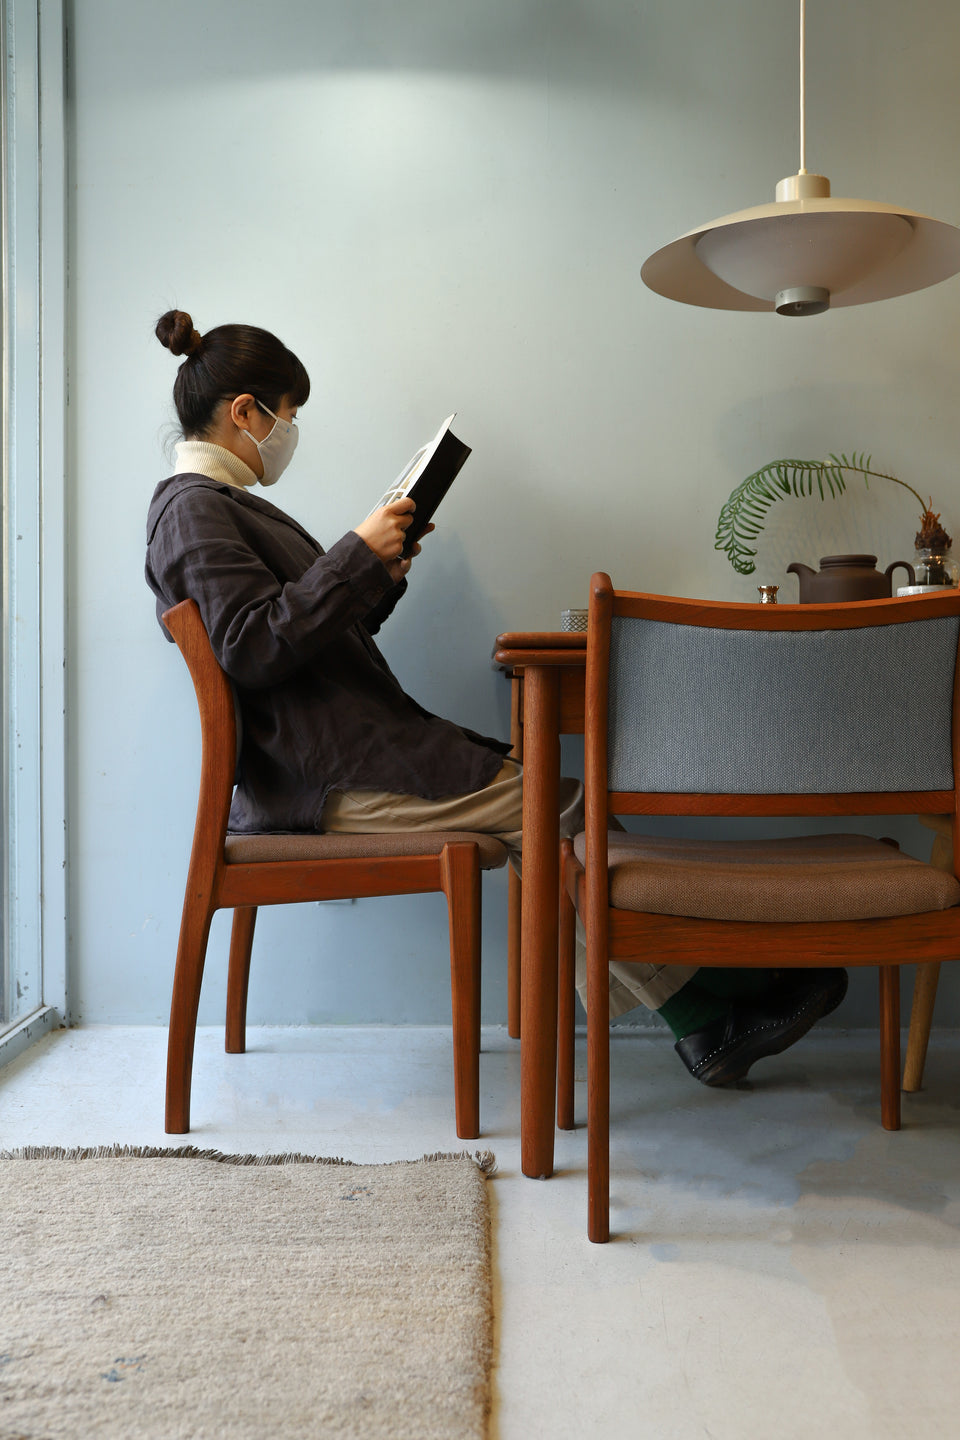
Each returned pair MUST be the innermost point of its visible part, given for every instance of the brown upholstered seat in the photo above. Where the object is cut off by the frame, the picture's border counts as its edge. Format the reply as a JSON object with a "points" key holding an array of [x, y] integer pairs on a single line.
{"points": [[806, 878], [242, 872], [244, 849]]}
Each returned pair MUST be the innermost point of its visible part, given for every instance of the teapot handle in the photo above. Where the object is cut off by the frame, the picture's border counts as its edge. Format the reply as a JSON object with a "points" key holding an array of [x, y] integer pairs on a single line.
{"points": [[900, 565]]}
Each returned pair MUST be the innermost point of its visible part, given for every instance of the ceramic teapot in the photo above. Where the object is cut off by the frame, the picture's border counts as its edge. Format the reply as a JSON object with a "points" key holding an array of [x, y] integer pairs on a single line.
{"points": [[846, 577]]}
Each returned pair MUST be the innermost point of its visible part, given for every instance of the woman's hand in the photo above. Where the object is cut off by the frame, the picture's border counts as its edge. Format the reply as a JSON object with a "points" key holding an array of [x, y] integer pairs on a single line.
{"points": [[385, 532]]}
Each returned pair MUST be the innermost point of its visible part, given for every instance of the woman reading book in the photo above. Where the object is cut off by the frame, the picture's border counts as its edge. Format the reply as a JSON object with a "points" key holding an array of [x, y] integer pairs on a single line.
{"points": [[331, 741]]}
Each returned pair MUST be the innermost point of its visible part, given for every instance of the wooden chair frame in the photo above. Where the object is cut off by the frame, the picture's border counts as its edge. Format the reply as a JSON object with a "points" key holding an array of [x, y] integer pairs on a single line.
{"points": [[213, 883], [626, 935]]}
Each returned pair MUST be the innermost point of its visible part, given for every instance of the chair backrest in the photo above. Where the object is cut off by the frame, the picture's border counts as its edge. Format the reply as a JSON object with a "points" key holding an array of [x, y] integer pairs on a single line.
{"points": [[710, 708], [218, 729]]}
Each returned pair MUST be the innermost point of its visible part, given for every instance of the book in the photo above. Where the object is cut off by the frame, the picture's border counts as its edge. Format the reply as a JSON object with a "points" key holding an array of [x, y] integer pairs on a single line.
{"points": [[426, 478]]}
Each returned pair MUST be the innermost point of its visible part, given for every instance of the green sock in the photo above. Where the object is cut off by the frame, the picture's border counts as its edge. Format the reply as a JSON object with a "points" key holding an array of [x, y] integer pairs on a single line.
{"points": [[733, 984], [704, 998], [691, 1009]]}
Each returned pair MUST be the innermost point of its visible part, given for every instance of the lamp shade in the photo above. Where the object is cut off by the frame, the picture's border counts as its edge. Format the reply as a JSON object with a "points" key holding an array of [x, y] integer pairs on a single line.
{"points": [[799, 256]]}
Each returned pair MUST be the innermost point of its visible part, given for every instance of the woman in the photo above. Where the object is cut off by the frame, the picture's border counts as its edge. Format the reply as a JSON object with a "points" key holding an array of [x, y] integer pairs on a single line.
{"points": [[331, 742], [289, 622]]}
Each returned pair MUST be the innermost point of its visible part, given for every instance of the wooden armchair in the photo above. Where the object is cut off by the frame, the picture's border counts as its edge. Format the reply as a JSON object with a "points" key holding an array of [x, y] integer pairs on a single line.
{"points": [[698, 708], [242, 872]]}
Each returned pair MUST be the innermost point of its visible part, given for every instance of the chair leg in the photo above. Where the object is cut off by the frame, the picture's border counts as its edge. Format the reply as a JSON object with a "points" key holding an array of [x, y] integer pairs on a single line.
{"points": [[921, 1018], [238, 977], [598, 1098], [890, 1046], [514, 914], [514, 884], [187, 978], [460, 879], [566, 1000]]}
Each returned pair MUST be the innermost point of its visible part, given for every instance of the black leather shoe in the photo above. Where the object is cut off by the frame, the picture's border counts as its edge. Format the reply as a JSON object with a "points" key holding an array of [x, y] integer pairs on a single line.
{"points": [[724, 1050]]}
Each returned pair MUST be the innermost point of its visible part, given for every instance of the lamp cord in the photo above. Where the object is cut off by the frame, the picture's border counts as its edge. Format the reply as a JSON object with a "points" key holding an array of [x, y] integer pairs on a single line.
{"points": [[803, 85]]}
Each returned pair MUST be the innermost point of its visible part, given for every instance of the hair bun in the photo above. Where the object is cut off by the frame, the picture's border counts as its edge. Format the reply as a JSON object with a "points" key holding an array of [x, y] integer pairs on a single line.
{"points": [[175, 331]]}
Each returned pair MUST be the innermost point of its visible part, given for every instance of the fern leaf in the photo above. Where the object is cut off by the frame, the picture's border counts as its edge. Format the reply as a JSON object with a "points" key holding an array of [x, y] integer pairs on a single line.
{"points": [[744, 513]]}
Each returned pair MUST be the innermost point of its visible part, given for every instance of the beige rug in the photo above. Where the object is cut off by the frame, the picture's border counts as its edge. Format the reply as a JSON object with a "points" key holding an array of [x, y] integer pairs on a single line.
{"points": [[180, 1295]]}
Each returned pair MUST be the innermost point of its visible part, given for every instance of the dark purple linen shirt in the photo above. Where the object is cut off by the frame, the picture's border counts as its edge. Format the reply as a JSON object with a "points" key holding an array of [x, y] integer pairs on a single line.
{"points": [[291, 626]]}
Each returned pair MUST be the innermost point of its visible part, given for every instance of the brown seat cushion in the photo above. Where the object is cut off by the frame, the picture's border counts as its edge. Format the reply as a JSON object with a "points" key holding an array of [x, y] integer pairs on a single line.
{"points": [[811, 877], [247, 849]]}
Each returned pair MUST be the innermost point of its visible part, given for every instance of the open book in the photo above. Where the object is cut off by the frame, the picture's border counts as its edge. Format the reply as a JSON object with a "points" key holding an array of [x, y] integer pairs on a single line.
{"points": [[426, 478]]}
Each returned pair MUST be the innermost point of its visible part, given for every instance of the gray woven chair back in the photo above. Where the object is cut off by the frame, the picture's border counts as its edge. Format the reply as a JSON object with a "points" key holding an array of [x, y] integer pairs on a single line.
{"points": [[703, 711]]}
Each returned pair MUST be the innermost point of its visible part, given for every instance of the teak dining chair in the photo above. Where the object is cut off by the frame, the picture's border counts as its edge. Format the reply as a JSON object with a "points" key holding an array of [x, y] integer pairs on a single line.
{"points": [[242, 872], [700, 708]]}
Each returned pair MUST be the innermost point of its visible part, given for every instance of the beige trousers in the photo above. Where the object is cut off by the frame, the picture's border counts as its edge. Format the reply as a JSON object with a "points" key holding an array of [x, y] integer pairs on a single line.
{"points": [[497, 809]]}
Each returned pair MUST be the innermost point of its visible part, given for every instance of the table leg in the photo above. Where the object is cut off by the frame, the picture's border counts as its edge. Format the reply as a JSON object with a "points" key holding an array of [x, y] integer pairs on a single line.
{"points": [[539, 939]]}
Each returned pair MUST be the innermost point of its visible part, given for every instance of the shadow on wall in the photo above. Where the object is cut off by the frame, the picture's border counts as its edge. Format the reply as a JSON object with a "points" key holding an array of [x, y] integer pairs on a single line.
{"points": [[440, 638], [610, 45]]}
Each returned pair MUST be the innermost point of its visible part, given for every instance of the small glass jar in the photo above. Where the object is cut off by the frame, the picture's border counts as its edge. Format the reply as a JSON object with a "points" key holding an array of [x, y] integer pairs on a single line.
{"points": [[574, 619], [936, 567]]}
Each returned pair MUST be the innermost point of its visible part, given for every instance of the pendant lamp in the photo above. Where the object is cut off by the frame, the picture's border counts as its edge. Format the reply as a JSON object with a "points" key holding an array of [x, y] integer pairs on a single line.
{"points": [[807, 251]]}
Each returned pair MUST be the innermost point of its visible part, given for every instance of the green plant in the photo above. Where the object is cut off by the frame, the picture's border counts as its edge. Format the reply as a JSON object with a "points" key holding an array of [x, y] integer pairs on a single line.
{"points": [[745, 512]]}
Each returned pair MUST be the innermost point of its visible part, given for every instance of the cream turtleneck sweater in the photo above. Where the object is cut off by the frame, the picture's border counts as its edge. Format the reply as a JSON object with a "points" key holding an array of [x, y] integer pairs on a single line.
{"points": [[199, 457]]}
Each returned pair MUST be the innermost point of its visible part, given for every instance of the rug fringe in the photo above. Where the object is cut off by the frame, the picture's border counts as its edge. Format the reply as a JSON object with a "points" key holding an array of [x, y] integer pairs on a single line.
{"points": [[485, 1160]]}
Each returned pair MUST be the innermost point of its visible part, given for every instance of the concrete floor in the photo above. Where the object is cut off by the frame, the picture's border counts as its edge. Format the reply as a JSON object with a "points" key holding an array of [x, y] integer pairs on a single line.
{"points": [[782, 1268]]}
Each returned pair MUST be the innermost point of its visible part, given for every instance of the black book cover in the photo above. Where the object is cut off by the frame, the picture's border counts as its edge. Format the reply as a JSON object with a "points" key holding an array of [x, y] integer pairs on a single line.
{"points": [[426, 478], [434, 481]]}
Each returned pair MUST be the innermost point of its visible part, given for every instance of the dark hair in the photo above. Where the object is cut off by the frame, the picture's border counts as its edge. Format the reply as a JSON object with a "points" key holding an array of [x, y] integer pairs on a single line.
{"points": [[226, 362]]}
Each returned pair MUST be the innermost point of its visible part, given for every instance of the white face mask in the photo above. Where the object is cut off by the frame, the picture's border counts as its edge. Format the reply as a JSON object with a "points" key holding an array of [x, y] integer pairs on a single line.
{"points": [[276, 451]]}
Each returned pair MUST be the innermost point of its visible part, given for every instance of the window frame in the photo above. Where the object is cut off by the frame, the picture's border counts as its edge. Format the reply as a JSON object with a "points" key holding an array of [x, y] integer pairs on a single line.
{"points": [[33, 642]]}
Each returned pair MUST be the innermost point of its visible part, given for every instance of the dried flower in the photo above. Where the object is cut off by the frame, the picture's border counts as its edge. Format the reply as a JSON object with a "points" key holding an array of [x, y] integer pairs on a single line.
{"points": [[931, 535]]}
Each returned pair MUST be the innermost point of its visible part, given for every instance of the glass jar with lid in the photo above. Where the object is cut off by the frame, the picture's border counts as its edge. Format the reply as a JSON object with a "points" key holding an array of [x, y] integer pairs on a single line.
{"points": [[935, 566]]}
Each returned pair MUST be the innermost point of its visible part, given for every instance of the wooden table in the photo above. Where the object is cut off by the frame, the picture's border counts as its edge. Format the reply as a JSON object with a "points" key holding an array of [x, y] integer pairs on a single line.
{"points": [[547, 673]]}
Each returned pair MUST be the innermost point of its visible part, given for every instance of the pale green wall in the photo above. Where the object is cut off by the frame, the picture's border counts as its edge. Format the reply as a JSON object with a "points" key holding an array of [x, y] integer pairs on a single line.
{"points": [[446, 205]]}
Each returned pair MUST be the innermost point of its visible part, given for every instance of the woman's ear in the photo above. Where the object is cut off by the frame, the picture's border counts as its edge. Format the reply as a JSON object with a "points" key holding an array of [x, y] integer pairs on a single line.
{"points": [[240, 410]]}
